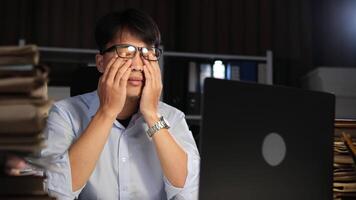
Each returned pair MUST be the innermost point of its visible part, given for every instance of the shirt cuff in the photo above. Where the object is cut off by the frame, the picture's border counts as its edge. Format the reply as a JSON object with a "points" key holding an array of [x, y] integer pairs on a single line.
{"points": [[191, 186], [59, 183]]}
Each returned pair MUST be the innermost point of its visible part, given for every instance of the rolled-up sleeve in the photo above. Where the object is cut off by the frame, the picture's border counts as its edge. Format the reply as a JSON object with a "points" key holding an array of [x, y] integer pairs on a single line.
{"points": [[59, 136], [180, 131]]}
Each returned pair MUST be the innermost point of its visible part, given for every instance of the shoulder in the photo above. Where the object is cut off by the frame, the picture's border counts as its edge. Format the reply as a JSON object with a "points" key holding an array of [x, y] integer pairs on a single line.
{"points": [[76, 101], [170, 112], [76, 105]]}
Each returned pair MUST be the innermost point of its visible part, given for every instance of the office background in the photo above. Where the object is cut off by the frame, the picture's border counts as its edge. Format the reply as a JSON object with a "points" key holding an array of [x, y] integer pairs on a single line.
{"points": [[302, 34]]}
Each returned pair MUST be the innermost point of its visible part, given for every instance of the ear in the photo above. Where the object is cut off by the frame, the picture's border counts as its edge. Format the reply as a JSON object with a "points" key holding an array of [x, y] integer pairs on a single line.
{"points": [[99, 61]]}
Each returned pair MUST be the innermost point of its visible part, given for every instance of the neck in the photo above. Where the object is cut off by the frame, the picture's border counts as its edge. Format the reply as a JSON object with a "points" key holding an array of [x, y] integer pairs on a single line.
{"points": [[130, 107]]}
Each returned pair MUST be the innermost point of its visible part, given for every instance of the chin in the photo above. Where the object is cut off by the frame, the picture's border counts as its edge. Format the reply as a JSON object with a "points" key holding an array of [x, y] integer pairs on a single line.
{"points": [[134, 93], [133, 97]]}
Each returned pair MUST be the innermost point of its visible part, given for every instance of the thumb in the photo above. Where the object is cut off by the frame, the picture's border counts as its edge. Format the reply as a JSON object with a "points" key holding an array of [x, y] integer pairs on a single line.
{"points": [[99, 84]]}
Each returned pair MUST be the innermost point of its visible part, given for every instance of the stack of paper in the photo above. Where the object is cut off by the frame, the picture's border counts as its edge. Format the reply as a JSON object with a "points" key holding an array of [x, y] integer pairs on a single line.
{"points": [[344, 161], [24, 107]]}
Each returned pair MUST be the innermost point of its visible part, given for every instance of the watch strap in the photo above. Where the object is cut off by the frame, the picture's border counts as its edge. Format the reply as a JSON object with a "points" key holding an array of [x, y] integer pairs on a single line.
{"points": [[157, 126]]}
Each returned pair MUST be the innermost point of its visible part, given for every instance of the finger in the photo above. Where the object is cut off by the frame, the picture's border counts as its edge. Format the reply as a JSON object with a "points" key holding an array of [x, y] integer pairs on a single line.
{"points": [[155, 74], [99, 85], [154, 66], [125, 77], [116, 66], [124, 70], [148, 68], [107, 68], [158, 71], [148, 77], [152, 57]]}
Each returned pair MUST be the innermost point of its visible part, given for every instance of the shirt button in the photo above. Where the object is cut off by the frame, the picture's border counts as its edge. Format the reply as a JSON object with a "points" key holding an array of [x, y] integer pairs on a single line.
{"points": [[124, 188], [124, 159]]}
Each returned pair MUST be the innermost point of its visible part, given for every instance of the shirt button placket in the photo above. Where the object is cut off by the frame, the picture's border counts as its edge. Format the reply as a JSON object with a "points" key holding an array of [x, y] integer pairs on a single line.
{"points": [[123, 167]]}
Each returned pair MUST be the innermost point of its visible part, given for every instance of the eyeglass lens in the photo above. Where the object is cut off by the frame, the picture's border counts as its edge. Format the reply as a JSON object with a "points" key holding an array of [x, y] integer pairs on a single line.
{"points": [[130, 51]]}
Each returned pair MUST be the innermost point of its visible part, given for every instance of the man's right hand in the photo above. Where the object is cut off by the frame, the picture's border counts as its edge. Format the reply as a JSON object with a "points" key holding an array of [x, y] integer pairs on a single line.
{"points": [[112, 86], [85, 152]]}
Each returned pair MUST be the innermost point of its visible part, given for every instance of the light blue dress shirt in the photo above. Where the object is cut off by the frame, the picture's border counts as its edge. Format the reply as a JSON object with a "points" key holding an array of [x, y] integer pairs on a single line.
{"points": [[128, 167]]}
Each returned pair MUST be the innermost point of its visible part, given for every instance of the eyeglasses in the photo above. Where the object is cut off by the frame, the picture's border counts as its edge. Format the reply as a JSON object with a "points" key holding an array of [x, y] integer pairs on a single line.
{"points": [[129, 51]]}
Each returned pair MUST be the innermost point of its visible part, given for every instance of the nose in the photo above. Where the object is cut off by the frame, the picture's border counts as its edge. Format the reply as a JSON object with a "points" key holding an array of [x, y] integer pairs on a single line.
{"points": [[137, 63]]}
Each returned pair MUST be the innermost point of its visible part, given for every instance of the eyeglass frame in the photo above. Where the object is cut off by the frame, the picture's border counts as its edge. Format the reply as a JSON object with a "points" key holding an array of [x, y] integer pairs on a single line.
{"points": [[114, 47]]}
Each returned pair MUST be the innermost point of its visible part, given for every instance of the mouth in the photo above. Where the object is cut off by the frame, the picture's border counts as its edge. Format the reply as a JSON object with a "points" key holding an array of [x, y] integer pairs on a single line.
{"points": [[135, 81]]}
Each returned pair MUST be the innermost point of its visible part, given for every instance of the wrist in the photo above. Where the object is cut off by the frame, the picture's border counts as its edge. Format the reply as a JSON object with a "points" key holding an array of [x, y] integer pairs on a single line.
{"points": [[157, 126], [104, 113], [151, 119]]}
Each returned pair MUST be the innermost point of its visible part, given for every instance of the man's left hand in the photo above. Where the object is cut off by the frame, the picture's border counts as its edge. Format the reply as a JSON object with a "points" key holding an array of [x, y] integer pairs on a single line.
{"points": [[151, 91]]}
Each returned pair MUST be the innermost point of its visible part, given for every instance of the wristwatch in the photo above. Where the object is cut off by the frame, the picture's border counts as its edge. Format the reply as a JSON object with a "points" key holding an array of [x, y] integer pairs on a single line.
{"points": [[162, 123]]}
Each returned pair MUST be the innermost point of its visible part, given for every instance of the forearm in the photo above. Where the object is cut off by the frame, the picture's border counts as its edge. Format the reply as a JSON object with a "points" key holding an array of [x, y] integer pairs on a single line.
{"points": [[85, 152], [172, 157]]}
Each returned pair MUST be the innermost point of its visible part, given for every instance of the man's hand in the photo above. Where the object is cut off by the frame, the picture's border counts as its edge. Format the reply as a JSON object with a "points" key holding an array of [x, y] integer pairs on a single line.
{"points": [[151, 91], [112, 86]]}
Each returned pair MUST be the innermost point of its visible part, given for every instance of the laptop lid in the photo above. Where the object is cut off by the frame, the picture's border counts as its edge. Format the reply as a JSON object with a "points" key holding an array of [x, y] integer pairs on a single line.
{"points": [[265, 142]]}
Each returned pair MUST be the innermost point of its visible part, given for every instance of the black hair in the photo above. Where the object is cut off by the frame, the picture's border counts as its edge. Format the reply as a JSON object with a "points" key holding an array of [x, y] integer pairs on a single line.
{"points": [[132, 20]]}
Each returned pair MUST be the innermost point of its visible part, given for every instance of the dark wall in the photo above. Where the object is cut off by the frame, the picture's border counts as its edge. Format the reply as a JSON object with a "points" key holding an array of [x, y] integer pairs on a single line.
{"points": [[70, 23], [302, 34], [335, 32]]}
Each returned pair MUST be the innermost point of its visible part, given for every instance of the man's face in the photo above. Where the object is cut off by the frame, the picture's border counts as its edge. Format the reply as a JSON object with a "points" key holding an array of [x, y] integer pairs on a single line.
{"points": [[136, 80]]}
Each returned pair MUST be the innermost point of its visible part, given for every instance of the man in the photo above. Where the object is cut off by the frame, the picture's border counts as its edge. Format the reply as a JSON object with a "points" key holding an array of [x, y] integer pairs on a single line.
{"points": [[121, 142]]}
